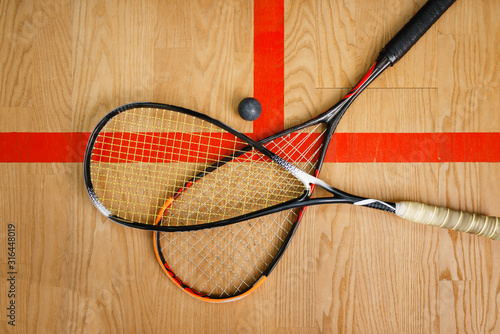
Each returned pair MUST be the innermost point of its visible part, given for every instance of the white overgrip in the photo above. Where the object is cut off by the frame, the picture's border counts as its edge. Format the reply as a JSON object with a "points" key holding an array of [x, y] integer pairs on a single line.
{"points": [[450, 219]]}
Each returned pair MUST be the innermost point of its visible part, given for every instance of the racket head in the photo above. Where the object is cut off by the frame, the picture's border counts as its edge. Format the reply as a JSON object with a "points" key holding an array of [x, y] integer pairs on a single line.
{"points": [[229, 262], [144, 158]]}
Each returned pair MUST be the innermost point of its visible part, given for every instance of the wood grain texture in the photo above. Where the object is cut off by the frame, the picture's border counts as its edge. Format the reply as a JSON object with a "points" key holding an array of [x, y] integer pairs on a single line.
{"points": [[64, 64]]}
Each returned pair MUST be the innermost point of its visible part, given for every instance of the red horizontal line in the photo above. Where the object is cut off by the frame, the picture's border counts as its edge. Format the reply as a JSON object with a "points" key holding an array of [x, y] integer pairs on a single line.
{"points": [[345, 147], [415, 147], [43, 146], [164, 147]]}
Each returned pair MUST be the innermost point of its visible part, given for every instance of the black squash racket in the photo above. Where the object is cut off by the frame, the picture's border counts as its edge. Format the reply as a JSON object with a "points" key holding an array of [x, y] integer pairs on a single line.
{"points": [[165, 168]]}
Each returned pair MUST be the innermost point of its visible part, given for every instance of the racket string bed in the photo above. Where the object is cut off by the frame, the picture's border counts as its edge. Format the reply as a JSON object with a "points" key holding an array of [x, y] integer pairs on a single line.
{"points": [[136, 164], [248, 248]]}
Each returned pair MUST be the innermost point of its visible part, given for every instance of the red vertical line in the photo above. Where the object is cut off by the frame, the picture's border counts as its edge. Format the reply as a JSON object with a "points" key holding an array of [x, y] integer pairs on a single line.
{"points": [[269, 49]]}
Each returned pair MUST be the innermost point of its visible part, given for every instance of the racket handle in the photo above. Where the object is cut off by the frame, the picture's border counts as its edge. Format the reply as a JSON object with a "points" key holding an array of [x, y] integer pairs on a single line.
{"points": [[414, 29], [450, 219]]}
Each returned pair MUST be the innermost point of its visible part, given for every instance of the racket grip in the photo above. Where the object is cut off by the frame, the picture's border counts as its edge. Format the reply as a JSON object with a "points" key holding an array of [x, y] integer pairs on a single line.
{"points": [[450, 219], [414, 29]]}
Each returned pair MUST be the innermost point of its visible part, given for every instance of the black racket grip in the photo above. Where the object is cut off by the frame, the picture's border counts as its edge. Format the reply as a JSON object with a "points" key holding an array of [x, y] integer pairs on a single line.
{"points": [[414, 29]]}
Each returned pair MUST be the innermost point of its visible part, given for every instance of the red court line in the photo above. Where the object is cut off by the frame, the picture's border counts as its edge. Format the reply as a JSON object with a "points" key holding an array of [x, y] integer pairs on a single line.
{"points": [[43, 146], [345, 147], [415, 147], [269, 66]]}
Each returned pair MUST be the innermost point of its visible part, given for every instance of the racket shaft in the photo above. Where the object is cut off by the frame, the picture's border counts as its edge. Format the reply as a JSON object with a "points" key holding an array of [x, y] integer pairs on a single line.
{"points": [[415, 29], [451, 219]]}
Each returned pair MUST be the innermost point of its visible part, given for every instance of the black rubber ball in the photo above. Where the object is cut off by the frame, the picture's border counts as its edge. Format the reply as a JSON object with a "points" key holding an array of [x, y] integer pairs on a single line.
{"points": [[249, 109]]}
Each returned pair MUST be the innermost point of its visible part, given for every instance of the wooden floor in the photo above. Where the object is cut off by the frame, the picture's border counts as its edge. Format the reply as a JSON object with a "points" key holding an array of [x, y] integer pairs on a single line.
{"points": [[64, 64]]}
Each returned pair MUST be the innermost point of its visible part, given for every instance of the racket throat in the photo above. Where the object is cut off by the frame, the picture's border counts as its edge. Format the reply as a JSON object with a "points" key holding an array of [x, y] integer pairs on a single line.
{"points": [[377, 204], [356, 200]]}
